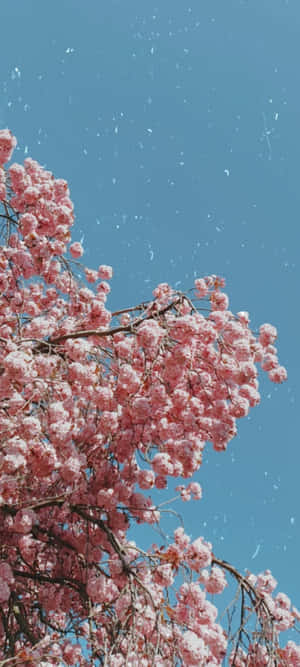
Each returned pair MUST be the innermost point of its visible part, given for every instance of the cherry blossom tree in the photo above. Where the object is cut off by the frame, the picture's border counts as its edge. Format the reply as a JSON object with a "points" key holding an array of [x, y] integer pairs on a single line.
{"points": [[96, 409]]}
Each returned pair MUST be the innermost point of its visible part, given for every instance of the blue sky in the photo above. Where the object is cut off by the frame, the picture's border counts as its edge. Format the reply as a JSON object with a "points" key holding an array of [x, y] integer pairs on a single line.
{"points": [[177, 128]]}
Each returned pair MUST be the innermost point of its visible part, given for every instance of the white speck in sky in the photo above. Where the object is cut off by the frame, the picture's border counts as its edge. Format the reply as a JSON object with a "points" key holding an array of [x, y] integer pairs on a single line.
{"points": [[15, 73], [114, 180], [276, 116], [227, 172], [292, 520], [69, 50], [149, 130], [257, 550]]}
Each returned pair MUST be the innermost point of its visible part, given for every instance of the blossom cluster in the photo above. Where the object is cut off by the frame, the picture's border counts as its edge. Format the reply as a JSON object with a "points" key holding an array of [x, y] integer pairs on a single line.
{"points": [[97, 408]]}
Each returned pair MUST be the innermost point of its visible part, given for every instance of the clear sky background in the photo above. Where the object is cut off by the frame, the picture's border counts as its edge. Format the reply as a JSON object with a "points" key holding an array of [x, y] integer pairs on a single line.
{"points": [[176, 125]]}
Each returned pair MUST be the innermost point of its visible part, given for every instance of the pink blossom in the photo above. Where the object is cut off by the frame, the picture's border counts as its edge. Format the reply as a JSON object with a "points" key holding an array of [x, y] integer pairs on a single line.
{"points": [[252, 395], [18, 364], [109, 422], [269, 362], [105, 272], [163, 292], [242, 351], [215, 581], [106, 498], [291, 653], [76, 250], [4, 591], [7, 144], [91, 275], [163, 575], [161, 482], [128, 379], [104, 398], [284, 619], [141, 409], [184, 493], [265, 582], [182, 329], [28, 223], [219, 300], [162, 465], [240, 407], [31, 195], [77, 349], [219, 318], [243, 317], [145, 479], [103, 288], [6, 573], [267, 334], [181, 538], [13, 462], [278, 374], [70, 470], [24, 520], [150, 334], [195, 489], [79, 372], [101, 589], [192, 648], [72, 653], [28, 547], [201, 288], [199, 554]]}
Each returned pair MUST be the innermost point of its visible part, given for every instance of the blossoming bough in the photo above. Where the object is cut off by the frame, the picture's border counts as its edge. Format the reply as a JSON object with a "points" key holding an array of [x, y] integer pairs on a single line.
{"points": [[97, 408]]}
